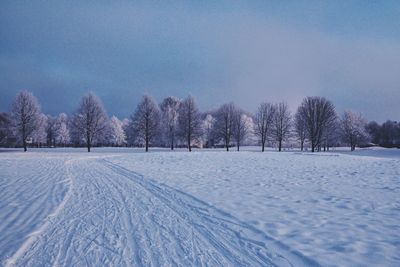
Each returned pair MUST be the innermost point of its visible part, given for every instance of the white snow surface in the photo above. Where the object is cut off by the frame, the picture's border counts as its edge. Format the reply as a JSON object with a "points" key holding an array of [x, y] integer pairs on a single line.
{"points": [[119, 207]]}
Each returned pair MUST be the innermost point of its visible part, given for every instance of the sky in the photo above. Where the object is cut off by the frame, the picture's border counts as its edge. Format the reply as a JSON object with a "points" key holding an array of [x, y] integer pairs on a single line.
{"points": [[247, 52]]}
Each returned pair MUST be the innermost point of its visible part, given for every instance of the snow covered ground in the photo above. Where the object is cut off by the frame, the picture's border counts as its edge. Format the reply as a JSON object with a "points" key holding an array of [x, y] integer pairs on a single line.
{"points": [[64, 207]]}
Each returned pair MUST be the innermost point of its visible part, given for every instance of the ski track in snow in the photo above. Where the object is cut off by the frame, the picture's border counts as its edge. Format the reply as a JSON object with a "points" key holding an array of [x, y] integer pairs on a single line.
{"points": [[25, 192], [103, 214]]}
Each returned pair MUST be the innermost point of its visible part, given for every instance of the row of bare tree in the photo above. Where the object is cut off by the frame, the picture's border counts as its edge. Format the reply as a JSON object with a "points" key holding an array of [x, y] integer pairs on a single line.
{"points": [[173, 119], [176, 122]]}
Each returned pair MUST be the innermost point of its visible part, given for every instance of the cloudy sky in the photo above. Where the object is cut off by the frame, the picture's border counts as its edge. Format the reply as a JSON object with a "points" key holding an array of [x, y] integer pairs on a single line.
{"points": [[241, 51]]}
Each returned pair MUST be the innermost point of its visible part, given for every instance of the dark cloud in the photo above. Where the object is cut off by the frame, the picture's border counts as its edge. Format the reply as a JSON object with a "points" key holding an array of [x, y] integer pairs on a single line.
{"points": [[232, 51]]}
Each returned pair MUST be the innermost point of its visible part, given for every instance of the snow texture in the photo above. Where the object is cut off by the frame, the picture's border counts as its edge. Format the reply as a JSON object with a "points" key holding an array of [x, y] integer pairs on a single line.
{"points": [[61, 207]]}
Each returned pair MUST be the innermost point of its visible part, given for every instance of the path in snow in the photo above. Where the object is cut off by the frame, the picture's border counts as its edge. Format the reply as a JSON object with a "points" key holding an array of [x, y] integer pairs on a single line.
{"points": [[114, 216]]}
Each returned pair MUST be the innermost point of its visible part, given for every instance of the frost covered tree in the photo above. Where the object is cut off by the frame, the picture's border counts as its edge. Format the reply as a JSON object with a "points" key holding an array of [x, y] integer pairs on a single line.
{"points": [[145, 121], [25, 116], [353, 128], [51, 130], [207, 128], [5, 128], [189, 122], [318, 113], [39, 135], [62, 135], [300, 128], [242, 127], [126, 124], [90, 120], [117, 136], [169, 119], [263, 120], [281, 123], [224, 123]]}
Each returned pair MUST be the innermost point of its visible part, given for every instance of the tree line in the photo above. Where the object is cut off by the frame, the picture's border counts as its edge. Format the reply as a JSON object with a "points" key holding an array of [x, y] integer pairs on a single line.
{"points": [[178, 123]]}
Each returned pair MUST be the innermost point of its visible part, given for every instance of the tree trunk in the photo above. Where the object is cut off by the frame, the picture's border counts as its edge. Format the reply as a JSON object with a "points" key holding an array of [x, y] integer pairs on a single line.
{"points": [[172, 144], [189, 146], [280, 145], [238, 145], [262, 146], [302, 145], [147, 144], [88, 142], [24, 138]]}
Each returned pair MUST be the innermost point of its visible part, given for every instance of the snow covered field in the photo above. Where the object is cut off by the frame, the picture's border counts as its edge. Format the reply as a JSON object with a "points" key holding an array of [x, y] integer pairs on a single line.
{"points": [[64, 207]]}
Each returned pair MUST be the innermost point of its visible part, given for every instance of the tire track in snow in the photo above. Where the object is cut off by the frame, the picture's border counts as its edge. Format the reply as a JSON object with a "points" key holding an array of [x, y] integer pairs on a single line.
{"points": [[220, 230], [114, 216], [36, 240], [165, 246], [33, 237], [94, 228]]}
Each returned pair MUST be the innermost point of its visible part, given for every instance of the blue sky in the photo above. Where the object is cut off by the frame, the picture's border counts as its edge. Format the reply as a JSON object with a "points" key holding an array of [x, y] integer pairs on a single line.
{"points": [[241, 51]]}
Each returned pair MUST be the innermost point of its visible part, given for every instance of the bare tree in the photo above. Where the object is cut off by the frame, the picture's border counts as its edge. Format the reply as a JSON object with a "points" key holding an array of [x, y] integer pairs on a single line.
{"points": [[300, 128], [90, 120], [169, 119], [224, 123], [374, 131], [189, 122], [281, 123], [145, 121], [25, 115], [330, 134], [242, 124], [263, 122], [318, 113], [353, 128], [390, 134]]}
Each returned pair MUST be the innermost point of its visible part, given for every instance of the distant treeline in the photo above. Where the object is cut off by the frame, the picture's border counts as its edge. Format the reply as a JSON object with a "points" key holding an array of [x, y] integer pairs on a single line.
{"points": [[315, 126]]}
